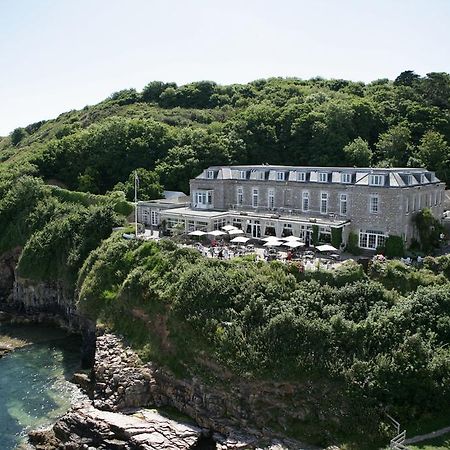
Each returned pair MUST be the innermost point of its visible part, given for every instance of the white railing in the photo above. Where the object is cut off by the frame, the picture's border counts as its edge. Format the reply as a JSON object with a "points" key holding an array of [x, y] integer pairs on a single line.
{"points": [[278, 211], [398, 441]]}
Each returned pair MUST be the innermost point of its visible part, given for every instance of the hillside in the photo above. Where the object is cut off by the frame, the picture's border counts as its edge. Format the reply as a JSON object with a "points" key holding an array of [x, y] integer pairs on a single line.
{"points": [[348, 344], [174, 132]]}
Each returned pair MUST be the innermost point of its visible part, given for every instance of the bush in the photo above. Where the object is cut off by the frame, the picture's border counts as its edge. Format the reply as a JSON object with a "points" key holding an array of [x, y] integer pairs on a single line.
{"points": [[394, 247], [352, 244], [336, 237]]}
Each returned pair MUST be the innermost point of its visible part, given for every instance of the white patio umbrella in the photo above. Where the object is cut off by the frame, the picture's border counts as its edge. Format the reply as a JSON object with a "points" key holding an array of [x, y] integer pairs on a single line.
{"points": [[293, 244], [240, 240], [229, 228], [196, 233], [270, 238], [326, 248], [216, 233], [273, 243], [291, 238], [235, 231]]}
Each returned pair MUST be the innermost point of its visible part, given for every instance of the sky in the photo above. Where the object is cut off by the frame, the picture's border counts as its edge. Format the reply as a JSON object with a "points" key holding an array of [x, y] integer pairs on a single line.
{"points": [[58, 55]]}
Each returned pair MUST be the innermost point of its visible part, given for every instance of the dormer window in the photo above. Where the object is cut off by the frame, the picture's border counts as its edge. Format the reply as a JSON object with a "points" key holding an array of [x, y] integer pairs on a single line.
{"points": [[261, 175], [346, 177], [376, 180], [423, 178], [210, 174], [280, 176], [242, 174], [301, 176], [323, 177], [410, 180]]}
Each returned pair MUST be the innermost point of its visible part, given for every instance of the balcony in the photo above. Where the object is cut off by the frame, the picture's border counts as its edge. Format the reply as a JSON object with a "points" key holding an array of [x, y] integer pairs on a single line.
{"points": [[276, 213]]}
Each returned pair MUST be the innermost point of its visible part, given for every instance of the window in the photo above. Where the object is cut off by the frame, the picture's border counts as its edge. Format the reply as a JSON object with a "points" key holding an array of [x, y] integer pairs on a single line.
{"points": [[255, 198], [410, 179], [261, 175], [280, 176], [305, 201], [414, 203], [374, 206], [242, 174], [271, 198], [419, 203], [422, 178], [287, 230], [154, 217], [323, 177], [209, 196], [371, 239], [376, 180], [407, 204], [210, 174], [324, 203], [435, 198], [343, 204], [239, 196], [301, 176], [346, 177]]}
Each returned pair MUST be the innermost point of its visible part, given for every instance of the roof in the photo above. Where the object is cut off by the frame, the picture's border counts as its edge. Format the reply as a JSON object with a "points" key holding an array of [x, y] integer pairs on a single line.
{"points": [[390, 176]]}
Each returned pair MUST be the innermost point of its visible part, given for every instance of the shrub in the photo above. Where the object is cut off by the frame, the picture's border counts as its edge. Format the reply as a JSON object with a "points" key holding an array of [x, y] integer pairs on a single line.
{"points": [[352, 244], [394, 247], [336, 237]]}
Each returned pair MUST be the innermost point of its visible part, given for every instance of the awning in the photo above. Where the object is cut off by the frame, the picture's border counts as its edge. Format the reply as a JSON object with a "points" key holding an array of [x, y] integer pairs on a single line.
{"points": [[293, 244], [216, 233]]}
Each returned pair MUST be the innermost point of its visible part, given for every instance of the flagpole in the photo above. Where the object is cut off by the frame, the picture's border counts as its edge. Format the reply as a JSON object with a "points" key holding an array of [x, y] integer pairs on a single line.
{"points": [[135, 205]]}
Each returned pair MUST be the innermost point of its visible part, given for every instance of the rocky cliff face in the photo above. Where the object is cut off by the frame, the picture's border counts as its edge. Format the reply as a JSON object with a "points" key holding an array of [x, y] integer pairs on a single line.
{"points": [[118, 416], [43, 302]]}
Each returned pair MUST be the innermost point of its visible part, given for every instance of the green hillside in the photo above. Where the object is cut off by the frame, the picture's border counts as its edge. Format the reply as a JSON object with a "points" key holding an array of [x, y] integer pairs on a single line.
{"points": [[175, 132]]}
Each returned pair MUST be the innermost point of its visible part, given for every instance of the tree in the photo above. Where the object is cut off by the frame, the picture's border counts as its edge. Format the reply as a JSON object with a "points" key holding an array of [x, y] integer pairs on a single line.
{"points": [[154, 89], [358, 153], [434, 152], [406, 78], [149, 185], [395, 145], [17, 135]]}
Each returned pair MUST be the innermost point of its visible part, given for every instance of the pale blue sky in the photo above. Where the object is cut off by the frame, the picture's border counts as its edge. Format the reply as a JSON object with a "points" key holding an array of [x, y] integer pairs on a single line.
{"points": [[57, 55]]}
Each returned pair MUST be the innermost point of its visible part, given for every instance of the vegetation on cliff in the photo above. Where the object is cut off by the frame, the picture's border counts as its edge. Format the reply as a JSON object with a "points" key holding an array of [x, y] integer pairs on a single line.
{"points": [[384, 343]]}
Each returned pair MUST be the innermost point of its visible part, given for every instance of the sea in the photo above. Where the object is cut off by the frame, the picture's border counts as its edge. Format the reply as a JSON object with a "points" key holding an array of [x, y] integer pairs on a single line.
{"points": [[35, 387]]}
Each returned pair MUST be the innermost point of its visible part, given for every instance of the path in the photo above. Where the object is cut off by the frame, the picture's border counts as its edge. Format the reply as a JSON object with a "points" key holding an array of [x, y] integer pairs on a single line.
{"points": [[425, 437]]}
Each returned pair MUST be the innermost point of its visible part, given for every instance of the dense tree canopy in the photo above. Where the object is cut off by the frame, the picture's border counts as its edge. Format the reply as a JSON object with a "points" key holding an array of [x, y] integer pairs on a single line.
{"points": [[179, 130]]}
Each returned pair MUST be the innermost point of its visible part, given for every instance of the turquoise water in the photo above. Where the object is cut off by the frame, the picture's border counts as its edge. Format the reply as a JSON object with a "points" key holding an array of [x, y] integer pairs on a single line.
{"points": [[34, 386]]}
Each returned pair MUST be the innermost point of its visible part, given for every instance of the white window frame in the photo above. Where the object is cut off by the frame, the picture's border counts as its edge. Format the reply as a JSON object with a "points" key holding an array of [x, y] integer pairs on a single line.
{"points": [[271, 198], [255, 195], [301, 176], [367, 237], [154, 217], [323, 177], [210, 174], [376, 180], [343, 204], [305, 197], [239, 195], [242, 174], [372, 203], [281, 176], [346, 178], [324, 198], [407, 204], [261, 175]]}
